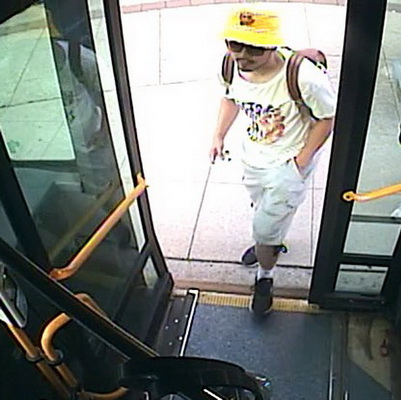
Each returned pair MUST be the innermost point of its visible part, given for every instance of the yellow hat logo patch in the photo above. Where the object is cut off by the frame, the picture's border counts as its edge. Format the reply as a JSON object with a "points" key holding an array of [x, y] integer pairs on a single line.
{"points": [[246, 18]]}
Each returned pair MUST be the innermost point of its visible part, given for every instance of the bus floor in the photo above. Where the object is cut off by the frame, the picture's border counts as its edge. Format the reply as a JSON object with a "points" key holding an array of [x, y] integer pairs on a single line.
{"points": [[307, 354]]}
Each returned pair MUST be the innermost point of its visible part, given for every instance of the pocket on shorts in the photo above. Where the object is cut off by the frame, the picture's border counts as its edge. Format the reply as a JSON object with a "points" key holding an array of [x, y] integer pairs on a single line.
{"points": [[293, 165], [295, 184]]}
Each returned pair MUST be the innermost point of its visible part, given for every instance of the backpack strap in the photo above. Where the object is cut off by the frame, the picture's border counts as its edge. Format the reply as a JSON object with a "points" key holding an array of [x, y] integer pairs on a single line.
{"points": [[227, 69], [292, 72], [316, 57]]}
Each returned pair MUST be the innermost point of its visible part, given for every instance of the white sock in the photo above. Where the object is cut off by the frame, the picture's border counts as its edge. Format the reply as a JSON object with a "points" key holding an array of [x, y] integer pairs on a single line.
{"points": [[264, 273]]}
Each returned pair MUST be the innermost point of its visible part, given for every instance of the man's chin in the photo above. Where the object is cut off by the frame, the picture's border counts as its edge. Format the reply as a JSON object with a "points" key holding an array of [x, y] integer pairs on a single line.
{"points": [[245, 68]]}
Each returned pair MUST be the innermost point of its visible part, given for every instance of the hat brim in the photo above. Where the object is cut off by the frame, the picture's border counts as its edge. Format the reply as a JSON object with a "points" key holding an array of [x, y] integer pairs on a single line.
{"points": [[252, 39]]}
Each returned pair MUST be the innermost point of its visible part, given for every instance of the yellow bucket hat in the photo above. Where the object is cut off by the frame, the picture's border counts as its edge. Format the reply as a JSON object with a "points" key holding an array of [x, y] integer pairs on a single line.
{"points": [[253, 26]]}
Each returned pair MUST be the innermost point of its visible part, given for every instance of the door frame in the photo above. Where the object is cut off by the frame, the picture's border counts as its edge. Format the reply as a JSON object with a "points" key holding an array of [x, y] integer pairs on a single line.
{"points": [[17, 211], [362, 45]]}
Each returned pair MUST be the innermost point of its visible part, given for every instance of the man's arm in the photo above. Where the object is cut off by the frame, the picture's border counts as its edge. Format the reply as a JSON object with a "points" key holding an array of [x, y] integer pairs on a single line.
{"points": [[227, 114], [319, 96], [318, 135]]}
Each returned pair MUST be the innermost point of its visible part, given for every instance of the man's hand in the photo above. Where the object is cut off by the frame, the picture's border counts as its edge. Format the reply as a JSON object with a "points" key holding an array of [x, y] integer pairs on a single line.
{"points": [[301, 162], [318, 135], [227, 114], [216, 150]]}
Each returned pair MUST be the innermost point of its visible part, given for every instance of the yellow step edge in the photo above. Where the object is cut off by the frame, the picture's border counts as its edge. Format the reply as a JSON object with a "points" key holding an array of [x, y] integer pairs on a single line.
{"points": [[242, 301]]}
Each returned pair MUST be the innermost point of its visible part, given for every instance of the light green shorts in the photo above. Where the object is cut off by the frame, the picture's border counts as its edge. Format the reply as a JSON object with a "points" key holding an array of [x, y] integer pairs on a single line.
{"points": [[276, 194]]}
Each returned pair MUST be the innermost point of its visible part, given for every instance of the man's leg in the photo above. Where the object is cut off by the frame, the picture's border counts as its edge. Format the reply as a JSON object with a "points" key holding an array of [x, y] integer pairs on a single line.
{"points": [[262, 299], [283, 191], [267, 256]]}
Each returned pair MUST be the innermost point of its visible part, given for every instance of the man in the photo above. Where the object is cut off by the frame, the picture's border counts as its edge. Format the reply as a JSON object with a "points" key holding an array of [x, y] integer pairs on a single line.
{"points": [[280, 144], [81, 91]]}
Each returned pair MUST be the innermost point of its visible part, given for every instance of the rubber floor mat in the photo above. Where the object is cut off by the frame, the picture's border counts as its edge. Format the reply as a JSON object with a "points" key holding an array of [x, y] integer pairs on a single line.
{"points": [[292, 349]]}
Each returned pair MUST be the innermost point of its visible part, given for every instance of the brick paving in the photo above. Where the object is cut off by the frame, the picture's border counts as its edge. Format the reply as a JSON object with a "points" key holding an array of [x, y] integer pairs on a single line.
{"points": [[126, 9]]}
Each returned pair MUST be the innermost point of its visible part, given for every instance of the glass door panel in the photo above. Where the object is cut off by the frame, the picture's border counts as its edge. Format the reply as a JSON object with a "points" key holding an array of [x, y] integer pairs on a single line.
{"points": [[61, 123], [372, 230], [102, 50], [363, 279], [372, 237], [359, 242], [56, 129]]}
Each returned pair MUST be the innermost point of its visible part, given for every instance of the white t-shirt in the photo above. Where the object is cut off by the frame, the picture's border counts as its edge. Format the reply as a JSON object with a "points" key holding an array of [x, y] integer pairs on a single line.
{"points": [[277, 131], [91, 143]]}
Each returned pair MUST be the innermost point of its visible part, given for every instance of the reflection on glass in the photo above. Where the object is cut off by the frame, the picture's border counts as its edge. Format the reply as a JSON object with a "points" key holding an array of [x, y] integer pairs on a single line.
{"points": [[6, 231], [55, 124], [371, 238], [382, 155], [149, 274], [101, 45], [361, 279], [138, 305]]}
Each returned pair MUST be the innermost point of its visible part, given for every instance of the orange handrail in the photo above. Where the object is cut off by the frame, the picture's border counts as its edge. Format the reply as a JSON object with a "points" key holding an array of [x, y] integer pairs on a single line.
{"points": [[33, 353], [89, 214], [100, 234], [47, 337], [46, 341], [107, 396], [51, 353], [374, 194]]}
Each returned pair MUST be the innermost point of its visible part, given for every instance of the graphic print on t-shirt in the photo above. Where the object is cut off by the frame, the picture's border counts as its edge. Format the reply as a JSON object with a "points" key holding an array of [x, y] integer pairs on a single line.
{"points": [[267, 124]]}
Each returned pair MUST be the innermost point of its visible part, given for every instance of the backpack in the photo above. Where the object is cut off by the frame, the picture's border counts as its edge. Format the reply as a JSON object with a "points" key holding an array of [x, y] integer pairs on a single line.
{"points": [[317, 57]]}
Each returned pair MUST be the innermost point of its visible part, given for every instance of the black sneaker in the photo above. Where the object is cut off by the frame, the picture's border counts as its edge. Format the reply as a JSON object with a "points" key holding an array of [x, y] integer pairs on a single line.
{"points": [[262, 299], [248, 258]]}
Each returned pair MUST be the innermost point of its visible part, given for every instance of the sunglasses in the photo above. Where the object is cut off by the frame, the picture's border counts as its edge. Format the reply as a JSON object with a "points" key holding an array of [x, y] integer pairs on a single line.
{"points": [[237, 47]]}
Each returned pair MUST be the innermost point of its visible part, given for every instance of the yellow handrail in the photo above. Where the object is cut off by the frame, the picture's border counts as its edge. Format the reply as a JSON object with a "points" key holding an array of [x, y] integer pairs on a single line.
{"points": [[47, 337], [46, 341], [33, 353], [100, 234], [89, 214], [374, 194]]}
